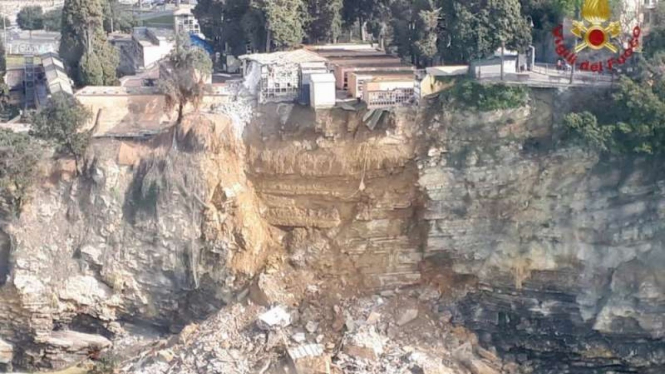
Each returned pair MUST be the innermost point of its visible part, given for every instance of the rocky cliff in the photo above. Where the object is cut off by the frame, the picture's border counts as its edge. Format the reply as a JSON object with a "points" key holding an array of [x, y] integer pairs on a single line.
{"points": [[153, 233], [553, 257]]}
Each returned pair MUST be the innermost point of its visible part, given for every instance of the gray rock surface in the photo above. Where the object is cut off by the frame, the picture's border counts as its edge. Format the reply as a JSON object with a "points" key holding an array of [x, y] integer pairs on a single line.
{"points": [[568, 250]]}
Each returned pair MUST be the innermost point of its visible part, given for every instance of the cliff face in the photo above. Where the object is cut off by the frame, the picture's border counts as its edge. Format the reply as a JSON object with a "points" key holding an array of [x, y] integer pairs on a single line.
{"points": [[567, 250], [158, 233], [551, 256]]}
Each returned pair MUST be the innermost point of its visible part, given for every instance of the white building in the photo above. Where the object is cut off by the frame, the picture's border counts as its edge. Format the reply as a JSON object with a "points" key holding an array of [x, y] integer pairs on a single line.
{"points": [[150, 46], [275, 77], [185, 21]]}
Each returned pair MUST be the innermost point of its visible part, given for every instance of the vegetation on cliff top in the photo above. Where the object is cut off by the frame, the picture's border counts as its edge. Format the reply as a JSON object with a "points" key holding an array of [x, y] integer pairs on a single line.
{"points": [[83, 47], [190, 67], [61, 122], [469, 94], [633, 120], [19, 155]]}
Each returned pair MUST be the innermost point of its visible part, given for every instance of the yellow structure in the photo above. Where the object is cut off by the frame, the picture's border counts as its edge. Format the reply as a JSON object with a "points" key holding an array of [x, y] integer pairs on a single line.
{"points": [[434, 79]]}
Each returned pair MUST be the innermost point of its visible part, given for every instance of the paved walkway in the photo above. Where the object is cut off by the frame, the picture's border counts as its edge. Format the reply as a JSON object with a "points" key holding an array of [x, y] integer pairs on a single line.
{"points": [[544, 77]]}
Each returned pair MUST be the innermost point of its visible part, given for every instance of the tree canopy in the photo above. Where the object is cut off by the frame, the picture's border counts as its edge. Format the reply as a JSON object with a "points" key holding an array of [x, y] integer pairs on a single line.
{"points": [[61, 122], [82, 34], [30, 18], [186, 81], [117, 17], [53, 20], [19, 157], [423, 31]]}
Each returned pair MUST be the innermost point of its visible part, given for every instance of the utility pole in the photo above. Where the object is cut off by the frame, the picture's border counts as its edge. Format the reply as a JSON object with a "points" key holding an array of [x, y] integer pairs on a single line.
{"points": [[503, 51], [572, 66], [4, 26]]}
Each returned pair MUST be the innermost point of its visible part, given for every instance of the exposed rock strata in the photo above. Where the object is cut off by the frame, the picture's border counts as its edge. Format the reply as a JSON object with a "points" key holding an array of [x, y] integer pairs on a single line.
{"points": [[568, 251], [552, 257], [159, 232]]}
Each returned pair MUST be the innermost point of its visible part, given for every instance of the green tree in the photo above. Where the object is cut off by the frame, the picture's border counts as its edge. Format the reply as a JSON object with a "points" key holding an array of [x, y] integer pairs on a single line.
{"points": [[232, 25], [82, 33], [584, 126], [362, 12], [325, 23], [117, 17], [19, 157], [30, 18], [91, 70], [61, 121], [631, 124], [284, 22], [53, 20], [185, 83], [474, 28]]}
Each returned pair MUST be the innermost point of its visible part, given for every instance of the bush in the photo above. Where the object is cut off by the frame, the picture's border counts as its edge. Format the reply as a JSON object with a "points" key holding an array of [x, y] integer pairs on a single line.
{"points": [[19, 155], [584, 126], [61, 122], [486, 98]]}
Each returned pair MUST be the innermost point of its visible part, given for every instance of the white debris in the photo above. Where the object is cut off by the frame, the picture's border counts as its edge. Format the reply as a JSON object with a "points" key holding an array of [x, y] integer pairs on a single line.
{"points": [[408, 316], [6, 352], [275, 317], [311, 327], [308, 350], [365, 343], [299, 337]]}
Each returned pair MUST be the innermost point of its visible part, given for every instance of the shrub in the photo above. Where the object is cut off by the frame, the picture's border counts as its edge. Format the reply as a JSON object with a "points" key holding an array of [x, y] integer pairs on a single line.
{"points": [[19, 156], [585, 125], [489, 97], [61, 122]]}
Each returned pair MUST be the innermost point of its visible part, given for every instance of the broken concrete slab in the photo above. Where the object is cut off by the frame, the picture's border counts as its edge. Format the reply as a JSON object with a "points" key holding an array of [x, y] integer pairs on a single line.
{"points": [[311, 327], [74, 341], [309, 359], [6, 352], [275, 317], [373, 318], [364, 343], [407, 316]]}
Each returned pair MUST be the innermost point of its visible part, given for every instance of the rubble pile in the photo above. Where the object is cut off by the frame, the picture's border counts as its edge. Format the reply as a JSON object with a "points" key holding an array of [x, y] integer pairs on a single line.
{"points": [[324, 331]]}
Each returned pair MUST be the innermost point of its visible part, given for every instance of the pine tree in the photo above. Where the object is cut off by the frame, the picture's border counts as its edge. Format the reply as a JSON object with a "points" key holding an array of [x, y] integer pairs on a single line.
{"points": [[82, 34], [476, 28], [30, 18], [325, 23], [284, 20]]}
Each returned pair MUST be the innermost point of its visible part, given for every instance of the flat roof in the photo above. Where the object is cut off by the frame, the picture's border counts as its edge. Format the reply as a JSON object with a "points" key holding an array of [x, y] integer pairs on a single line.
{"points": [[370, 75], [117, 90], [378, 65], [288, 57], [393, 78], [352, 59], [448, 70], [323, 78], [342, 46], [345, 53]]}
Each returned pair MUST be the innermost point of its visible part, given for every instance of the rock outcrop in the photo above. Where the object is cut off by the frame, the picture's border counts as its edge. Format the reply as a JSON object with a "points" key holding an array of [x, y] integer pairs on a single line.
{"points": [[159, 232], [553, 257], [567, 250]]}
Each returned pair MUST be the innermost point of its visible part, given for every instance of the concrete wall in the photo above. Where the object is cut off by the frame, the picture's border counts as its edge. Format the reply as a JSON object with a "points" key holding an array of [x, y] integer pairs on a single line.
{"points": [[127, 114], [430, 84]]}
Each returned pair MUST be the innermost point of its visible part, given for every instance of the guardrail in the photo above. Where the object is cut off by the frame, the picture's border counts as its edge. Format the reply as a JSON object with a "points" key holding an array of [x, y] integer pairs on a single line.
{"points": [[551, 69]]}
